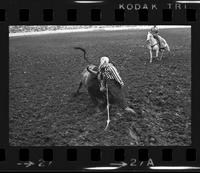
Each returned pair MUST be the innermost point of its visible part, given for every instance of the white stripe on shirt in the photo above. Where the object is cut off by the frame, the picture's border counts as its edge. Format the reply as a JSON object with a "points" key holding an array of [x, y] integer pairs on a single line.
{"points": [[112, 73]]}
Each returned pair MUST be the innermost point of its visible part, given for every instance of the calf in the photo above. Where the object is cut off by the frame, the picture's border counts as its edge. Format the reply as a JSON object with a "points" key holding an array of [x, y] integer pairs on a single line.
{"points": [[90, 80]]}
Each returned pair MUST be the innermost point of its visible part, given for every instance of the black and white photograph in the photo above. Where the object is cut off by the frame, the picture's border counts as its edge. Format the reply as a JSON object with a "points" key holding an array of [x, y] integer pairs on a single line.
{"points": [[100, 85]]}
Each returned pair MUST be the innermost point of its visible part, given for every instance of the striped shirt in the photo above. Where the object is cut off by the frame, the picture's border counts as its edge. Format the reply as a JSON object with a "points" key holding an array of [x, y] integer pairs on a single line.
{"points": [[110, 72]]}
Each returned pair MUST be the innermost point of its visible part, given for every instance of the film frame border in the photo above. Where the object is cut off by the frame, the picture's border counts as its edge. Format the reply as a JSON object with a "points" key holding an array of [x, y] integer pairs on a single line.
{"points": [[109, 12], [9, 15]]}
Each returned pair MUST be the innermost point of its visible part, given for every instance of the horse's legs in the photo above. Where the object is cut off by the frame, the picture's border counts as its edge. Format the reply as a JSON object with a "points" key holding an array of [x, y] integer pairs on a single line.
{"points": [[150, 55], [157, 51], [161, 55]]}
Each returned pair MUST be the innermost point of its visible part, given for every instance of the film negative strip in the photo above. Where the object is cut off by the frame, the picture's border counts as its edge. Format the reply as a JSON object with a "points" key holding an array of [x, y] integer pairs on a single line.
{"points": [[95, 85]]}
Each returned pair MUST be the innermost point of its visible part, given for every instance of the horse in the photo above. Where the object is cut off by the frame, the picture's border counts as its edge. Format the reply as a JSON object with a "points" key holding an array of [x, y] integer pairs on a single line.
{"points": [[154, 46]]}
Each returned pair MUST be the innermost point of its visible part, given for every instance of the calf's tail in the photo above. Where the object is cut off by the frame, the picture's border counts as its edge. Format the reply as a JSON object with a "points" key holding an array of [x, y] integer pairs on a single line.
{"points": [[84, 56]]}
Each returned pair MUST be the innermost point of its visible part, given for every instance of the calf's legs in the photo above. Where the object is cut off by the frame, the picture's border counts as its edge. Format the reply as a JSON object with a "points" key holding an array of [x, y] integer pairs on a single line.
{"points": [[79, 87]]}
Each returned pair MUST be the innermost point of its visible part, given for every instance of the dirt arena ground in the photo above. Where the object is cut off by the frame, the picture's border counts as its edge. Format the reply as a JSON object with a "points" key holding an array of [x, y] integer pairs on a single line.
{"points": [[45, 71]]}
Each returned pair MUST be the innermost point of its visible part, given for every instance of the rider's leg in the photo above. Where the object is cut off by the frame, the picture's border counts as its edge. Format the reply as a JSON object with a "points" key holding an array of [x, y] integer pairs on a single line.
{"points": [[158, 40]]}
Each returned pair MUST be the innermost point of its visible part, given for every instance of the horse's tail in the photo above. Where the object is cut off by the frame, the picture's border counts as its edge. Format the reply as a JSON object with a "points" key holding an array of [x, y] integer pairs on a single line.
{"points": [[165, 43], [167, 47]]}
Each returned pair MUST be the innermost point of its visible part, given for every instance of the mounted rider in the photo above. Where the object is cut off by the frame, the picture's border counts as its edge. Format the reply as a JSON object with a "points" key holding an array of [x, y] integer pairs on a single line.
{"points": [[154, 31]]}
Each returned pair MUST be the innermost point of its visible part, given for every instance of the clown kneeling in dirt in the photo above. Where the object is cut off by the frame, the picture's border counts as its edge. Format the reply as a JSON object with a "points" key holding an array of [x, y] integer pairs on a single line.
{"points": [[110, 80]]}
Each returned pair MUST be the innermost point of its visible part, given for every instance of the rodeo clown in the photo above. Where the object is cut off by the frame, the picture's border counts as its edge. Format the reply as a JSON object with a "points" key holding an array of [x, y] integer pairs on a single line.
{"points": [[154, 31], [111, 80]]}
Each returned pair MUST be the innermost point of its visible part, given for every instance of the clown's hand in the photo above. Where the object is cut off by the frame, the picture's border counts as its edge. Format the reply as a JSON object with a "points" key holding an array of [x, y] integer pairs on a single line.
{"points": [[102, 88]]}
